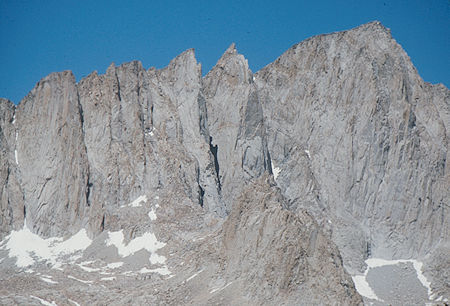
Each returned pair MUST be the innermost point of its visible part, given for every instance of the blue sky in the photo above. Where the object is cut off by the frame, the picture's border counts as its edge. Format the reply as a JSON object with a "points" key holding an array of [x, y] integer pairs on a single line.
{"points": [[39, 37]]}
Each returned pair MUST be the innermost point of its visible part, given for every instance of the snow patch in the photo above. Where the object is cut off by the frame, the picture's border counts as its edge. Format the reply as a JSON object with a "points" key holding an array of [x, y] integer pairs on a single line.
{"points": [[378, 262], [137, 202], [28, 247], [308, 153], [418, 267], [276, 171], [73, 302], [15, 155], [44, 302], [147, 241], [88, 269], [162, 271], [48, 280], [194, 275], [152, 215], [114, 265], [364, 288], [220, 288], [79, 280], [108, 278]]}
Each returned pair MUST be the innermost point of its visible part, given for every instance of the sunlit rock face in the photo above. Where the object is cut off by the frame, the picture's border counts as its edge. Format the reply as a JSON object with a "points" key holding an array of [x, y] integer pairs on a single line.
{"points": [[324, 170]]}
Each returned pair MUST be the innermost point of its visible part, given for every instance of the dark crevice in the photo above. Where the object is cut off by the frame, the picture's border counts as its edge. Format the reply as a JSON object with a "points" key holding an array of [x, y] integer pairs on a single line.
{"points": [[368, 249], [118, 85], [80, 113], [24, 212], [119, 137], [201, 195], [214, 149], [102, 225], [88, 183], [8, 173], [151, 115], [13, 117], [268, 166], [88, 192], [43, 186], [201, 191]]}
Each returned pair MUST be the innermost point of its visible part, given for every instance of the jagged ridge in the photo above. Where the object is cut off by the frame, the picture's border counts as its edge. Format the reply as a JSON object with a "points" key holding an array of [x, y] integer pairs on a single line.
{"points": [[342, 121]]}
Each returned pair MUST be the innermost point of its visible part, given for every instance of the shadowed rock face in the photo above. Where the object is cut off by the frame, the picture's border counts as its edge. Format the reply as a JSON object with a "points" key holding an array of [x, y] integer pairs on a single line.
{"points": [[336, 148]]}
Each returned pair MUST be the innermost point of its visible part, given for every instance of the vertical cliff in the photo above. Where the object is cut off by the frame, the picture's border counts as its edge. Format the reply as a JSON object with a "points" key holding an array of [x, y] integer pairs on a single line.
{"points": [[233, 187]]}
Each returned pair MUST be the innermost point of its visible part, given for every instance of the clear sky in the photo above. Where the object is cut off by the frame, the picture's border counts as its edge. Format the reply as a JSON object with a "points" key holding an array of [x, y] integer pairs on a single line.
{"points": [[39, 37]]}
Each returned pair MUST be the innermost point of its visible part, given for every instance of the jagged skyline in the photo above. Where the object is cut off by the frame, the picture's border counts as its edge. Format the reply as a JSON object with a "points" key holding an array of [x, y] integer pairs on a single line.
{"points": [[40, 38]]}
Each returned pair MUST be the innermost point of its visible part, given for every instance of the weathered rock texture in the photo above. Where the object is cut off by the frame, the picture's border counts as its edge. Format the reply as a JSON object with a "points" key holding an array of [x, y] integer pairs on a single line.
{"points": [[376, 138], [336, 148]]}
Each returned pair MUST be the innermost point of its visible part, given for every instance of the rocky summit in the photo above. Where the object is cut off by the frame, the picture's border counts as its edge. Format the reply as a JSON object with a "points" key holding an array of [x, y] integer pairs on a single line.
{"points": [[322, 179]]}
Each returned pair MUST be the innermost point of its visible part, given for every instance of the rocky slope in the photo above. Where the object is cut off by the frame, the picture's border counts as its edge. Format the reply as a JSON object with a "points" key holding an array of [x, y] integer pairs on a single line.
{"points": [[233, 188]]}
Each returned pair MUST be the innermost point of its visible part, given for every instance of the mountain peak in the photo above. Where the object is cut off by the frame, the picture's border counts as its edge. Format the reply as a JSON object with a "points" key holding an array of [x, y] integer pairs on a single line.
{"points": [[180, 189], [232, 64]]}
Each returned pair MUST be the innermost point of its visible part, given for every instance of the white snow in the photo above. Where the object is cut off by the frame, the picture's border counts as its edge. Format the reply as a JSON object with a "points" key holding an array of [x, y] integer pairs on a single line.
{"points": [[79, 280], [114, 265], [276, 171], [378, 262], [102, 270], [418, 267], [163, 271], [79, 241], [15, 155], [363, 287], [152, 215], [157, 259], [88, 269], [137, 202], [28, 247], [48, 280], [14, 119], [108, 278], [73, 302], [44, 302], [308, 153], [147, 241], [220, 288], [194, 275]]}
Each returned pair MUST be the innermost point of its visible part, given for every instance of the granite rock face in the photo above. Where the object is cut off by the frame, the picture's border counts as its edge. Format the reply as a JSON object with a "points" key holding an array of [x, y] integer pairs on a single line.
{"points": [[265, 188], [371, 138]]}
